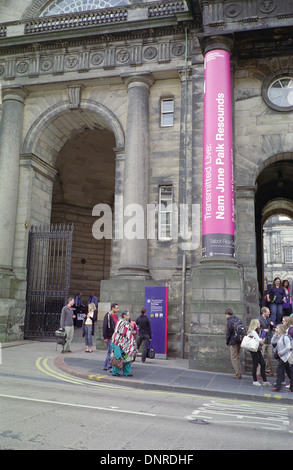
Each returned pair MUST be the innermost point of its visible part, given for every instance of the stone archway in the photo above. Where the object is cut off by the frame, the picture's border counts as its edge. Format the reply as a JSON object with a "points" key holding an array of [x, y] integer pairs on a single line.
{"points": [[274, 195], [277, 206], [52, 129], [80, 145], [85, 177]]}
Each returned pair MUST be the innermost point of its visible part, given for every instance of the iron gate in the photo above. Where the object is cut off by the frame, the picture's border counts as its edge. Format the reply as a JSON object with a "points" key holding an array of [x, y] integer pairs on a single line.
{"points": [[49, 263]]}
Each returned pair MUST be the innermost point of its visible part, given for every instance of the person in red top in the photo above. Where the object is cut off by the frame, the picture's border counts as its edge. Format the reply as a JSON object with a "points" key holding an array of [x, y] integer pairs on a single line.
{"points": [[109, 324]]}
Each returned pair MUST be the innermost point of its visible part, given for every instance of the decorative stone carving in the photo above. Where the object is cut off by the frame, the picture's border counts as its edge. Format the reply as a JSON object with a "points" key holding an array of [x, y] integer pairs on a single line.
{"points": [[74, 96], [22, 67], [267, 6], [232, 10]]}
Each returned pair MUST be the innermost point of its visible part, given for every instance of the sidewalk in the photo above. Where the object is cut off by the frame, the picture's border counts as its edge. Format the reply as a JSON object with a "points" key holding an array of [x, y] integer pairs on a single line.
{"points": [[171, 375]]}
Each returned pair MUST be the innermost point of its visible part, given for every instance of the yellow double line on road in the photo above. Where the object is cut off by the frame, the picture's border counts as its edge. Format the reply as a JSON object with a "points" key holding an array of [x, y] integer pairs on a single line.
{"points": [[42, 365]]}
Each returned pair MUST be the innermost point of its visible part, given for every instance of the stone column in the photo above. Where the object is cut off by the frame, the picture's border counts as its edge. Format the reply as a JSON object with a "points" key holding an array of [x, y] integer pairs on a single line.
{"points": [[10, 144], [133, 259], [218, 190], [247, 248], [217, 281]]}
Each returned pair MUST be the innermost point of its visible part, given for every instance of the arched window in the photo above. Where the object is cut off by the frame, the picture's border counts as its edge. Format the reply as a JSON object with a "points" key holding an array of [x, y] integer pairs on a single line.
{"points": [[59, 7]]}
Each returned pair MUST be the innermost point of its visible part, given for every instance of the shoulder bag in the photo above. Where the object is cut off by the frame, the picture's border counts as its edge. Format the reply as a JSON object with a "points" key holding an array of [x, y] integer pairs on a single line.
{"points": [[116, 362], [249, 344]]}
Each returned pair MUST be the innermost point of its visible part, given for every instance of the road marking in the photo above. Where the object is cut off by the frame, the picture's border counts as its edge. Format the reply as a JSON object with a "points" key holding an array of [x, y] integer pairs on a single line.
{"points": [[42, 365], [76, 405], [248, 414]]}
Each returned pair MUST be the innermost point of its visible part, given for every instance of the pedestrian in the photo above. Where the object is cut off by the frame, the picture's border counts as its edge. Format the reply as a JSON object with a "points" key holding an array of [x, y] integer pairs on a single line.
{"points": [[92, 299], [283, 350], [134, 328], [233, 342], [257, 357], [78, 305], [144, 333], [88, 324], [289, 325], [276, 296], [287, 304], [123, 345], [267, 329], [66, 322], [78, 300], [288, 322], [109, 324]]}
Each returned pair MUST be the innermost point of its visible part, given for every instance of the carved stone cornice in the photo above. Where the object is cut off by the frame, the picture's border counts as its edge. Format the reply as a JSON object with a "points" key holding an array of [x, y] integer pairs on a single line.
{"points": [[95, 57], [240, 15]]}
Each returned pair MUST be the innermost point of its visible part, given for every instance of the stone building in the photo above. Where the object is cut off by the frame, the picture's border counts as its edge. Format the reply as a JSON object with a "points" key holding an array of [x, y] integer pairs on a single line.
{"points": [[105, 115]]}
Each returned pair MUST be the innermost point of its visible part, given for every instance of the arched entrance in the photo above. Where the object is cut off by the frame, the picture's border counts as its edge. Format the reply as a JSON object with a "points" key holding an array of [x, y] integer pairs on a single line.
{"points": [[85, 177], [274, 195], [79, 147]]}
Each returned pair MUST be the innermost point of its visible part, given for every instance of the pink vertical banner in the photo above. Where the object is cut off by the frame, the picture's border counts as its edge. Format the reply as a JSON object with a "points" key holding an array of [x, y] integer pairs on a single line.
{"points": [[218, 191]]}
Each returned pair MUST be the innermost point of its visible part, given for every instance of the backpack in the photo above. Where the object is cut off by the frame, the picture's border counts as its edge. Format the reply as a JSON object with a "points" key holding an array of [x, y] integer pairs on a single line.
{"points": [[239, 331]]}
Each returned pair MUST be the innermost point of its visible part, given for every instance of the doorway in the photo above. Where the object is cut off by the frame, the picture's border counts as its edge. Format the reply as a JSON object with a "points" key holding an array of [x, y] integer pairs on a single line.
{"points": [[274, 200], [85, 177], [278, 249]]}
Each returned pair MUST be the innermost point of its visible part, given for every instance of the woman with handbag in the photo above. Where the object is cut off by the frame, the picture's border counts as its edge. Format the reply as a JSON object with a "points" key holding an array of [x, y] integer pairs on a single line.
{"points": [[123, 346], [257, 357]]}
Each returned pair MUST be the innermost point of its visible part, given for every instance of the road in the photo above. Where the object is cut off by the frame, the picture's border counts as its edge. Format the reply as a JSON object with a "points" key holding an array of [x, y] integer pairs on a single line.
{"points": [[43, 408]]}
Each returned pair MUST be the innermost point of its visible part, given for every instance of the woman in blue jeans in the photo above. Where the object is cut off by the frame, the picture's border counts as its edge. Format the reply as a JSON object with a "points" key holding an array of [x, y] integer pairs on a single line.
{"points": [[276, 296], [88, 325]]}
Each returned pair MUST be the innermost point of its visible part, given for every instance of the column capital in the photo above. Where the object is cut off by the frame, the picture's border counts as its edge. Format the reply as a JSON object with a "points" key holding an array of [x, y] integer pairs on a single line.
{"points": [[210, 43], [144, 78], [15, 93]]}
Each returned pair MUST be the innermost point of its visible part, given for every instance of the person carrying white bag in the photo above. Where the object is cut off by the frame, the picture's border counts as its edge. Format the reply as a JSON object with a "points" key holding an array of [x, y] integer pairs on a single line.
{"points": [[256, 355]]}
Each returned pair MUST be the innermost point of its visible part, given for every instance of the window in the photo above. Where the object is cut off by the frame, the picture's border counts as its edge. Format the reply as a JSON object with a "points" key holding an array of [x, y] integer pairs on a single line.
{"points": [[165, 212], [288, 255], [278, 92], [167, 112], [59, 7]]}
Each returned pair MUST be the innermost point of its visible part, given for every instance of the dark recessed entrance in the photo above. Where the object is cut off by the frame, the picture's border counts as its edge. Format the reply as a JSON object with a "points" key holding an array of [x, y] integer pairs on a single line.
{"points": [[86, 177], [274, 195]]}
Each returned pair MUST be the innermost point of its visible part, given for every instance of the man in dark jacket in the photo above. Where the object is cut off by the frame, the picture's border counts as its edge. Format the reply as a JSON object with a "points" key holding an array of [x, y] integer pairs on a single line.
{"points": [[232, 343], [109, 324], [267, 327], [144, 333]]}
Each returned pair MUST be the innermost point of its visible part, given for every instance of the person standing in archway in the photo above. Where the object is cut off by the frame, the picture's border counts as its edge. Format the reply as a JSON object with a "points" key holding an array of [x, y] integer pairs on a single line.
{"points": [[276, 296], [287, 305]]}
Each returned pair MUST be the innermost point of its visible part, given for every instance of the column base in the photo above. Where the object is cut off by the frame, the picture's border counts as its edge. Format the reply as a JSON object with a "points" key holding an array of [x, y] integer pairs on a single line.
{"points": [[130, 272], [217, 284], [12, 308], [218, 261]]}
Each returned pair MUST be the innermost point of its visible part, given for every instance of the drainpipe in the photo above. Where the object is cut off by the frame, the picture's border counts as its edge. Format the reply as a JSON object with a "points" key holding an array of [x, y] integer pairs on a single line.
{"points": [[184, 201]]}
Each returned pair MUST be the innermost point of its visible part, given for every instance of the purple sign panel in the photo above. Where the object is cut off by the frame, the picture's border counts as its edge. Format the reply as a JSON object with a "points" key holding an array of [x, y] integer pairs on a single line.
{"points": [[156, 304], [218, 191]]}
